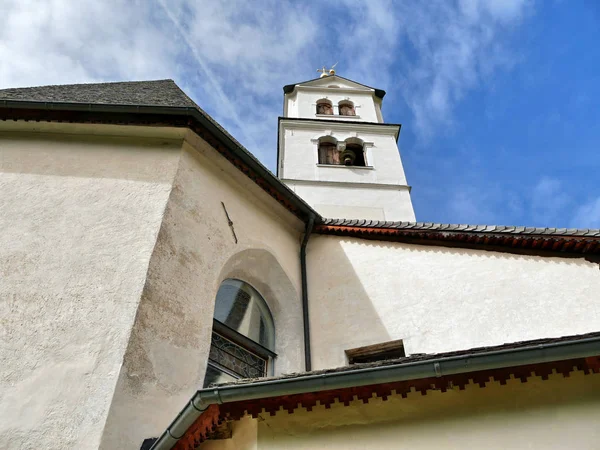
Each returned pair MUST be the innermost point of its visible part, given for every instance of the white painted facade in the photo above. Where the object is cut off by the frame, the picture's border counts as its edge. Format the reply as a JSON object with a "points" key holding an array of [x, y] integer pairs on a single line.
{"points": [[113, 247], [440, 299], [114, 243], [378, 190]]}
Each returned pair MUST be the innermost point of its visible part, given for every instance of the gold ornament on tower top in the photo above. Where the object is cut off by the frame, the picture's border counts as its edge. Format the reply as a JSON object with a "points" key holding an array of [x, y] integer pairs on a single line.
{"points": [[325, 72]]}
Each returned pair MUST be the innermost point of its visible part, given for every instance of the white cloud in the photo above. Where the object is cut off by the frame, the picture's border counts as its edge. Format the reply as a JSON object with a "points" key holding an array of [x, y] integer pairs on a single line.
{"points": [[549, 199], [234, 56], [587, 215]]}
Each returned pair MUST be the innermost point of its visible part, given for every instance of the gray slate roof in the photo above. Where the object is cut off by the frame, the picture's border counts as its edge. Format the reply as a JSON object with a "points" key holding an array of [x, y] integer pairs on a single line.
{"points": [[442, 227], [165, 93], [133, 93]]}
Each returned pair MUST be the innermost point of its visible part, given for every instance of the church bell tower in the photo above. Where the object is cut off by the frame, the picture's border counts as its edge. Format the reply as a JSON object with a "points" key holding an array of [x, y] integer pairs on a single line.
{"points": [[336, 152]]}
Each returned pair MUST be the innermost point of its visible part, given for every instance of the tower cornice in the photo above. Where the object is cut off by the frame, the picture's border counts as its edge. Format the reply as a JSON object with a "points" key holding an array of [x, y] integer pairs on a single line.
{"points": [[345, 125]]}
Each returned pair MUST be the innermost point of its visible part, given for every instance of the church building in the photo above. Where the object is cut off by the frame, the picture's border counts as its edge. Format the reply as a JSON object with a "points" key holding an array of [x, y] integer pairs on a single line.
{"points": [[162, 289]]}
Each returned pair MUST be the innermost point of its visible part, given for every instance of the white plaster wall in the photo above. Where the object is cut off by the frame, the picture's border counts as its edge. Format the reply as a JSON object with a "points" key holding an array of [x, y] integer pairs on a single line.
{"points": [[560, 413], [299, 153], [79, 219], [303, 101], [167, 354], [353, 201], [439, 299], [376, 192]]}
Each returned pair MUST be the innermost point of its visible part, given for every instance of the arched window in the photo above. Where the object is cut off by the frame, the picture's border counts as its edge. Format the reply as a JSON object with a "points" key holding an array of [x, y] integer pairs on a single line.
{"points": [[346, 108], [354, 153], [325, 107], [328, 152], [243, 337]]}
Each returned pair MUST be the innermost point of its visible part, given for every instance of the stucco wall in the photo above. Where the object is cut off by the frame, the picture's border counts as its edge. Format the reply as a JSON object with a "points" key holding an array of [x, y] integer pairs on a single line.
{"points": [[381, 185], [355, 202], [560, 413], [166, 358], [440, 299], [79, 219], [300, 154]]}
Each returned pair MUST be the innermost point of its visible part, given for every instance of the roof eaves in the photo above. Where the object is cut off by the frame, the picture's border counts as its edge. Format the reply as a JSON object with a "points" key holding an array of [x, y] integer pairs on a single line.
{"points": [[584, 348], [185, 115], [518, 240], [289, 88]]}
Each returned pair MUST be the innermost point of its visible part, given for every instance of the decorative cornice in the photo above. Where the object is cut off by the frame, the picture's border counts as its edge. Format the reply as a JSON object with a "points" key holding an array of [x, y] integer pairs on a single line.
{"points": [[200, 431]]}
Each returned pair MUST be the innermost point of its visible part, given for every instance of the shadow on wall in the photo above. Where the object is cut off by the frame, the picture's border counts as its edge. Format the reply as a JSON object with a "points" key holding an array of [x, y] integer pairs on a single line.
{"points": [[337, 298], [261, 270], [440, 299]]}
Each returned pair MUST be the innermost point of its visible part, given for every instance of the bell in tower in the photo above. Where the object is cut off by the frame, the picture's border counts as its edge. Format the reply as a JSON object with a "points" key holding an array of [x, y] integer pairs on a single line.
{"points": [[338, 154]]}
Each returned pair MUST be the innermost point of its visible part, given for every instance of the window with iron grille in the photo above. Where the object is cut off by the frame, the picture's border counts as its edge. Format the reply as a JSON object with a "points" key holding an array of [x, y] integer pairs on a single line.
{"points": [[243, 335]]}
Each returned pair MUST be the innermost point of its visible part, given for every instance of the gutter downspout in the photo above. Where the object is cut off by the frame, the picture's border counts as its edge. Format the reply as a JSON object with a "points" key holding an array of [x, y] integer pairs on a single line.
{"points": [[435, 367], [305, 317]]}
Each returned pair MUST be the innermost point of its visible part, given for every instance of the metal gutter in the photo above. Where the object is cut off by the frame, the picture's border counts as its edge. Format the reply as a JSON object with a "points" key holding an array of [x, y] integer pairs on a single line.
{"points": [[305, 316], [428, 368], [177, 111]]}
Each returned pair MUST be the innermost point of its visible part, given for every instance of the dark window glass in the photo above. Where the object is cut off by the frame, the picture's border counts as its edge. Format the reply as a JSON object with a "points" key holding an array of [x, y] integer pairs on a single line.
{"points": [[240, 307], [216, 375], [243, 335]]}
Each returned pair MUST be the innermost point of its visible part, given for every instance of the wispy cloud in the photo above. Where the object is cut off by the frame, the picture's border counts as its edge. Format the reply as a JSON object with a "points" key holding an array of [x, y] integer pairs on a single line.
{"points": [[454, 48], [549, 201], [587, 215], [233, 57]]}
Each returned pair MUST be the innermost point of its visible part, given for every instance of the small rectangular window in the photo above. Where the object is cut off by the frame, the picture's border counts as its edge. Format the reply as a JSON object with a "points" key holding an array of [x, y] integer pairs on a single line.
{"points": [[377, 352]]}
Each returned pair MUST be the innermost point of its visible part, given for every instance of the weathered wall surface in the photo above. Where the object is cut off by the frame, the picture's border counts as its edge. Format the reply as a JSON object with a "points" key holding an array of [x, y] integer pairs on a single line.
{"points": [[195, 251], [334, 200], [559, 413], [79, 219], [244, 437], [440, 299]]}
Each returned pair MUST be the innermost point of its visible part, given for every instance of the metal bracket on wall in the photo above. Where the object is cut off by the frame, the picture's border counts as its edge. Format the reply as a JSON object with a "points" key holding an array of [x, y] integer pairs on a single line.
{"points": [[230, 223]]}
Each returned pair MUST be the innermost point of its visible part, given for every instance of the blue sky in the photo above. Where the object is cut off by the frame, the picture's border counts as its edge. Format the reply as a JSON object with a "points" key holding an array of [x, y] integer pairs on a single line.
{"points": [[498, 98]]}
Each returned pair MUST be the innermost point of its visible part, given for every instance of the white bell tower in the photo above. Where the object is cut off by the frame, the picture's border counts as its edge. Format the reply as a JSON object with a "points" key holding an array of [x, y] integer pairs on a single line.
{"points": [[336, 152]]}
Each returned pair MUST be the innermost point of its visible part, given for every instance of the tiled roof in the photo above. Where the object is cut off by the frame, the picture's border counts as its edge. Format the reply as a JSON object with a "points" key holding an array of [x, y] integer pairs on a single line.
{"points": [[149, 93], [166, 94], [450, 371], [163, 93], [147, 103], [442, 227], [555, 241], [421, 357]]}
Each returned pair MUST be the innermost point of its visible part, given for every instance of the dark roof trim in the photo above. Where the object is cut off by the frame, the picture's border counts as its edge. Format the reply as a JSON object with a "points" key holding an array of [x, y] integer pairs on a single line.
{"points": [[559, 242], [337, 381], [288, 88], [173, 116]]}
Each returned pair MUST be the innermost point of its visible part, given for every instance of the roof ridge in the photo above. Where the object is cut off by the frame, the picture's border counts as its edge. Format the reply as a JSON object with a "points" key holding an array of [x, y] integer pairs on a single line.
{"points": [[96, 83]]}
